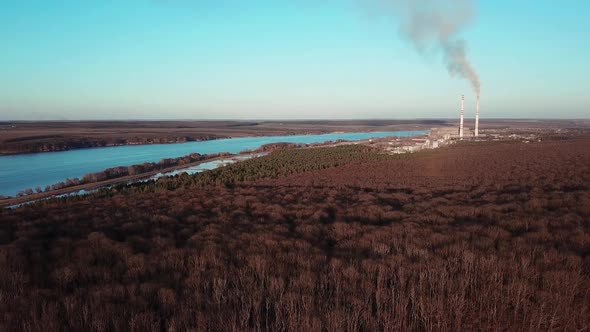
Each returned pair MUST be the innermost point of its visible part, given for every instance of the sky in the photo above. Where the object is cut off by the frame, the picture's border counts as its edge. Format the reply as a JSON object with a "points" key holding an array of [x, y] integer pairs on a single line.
{"points": [[282, 59]]}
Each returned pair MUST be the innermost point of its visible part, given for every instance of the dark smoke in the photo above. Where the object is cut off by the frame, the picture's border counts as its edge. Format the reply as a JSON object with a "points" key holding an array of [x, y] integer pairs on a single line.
{"points": [[434, 25]]}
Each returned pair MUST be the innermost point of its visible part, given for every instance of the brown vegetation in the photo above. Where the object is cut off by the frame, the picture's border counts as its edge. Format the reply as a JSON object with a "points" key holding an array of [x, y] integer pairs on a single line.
{"points": [[490, 236]]}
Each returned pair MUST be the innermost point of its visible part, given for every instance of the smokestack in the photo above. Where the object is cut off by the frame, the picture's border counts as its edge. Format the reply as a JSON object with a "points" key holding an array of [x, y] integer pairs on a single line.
{"points": [[462, 114], [477, 117]]}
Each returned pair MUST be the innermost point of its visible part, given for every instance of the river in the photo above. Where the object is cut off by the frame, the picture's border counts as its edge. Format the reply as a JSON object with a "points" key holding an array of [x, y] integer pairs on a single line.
{"points": [[18, 172]]}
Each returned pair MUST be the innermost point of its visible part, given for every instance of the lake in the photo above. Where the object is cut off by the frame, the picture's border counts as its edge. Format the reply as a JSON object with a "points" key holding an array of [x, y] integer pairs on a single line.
{"points": [[18, 172]]}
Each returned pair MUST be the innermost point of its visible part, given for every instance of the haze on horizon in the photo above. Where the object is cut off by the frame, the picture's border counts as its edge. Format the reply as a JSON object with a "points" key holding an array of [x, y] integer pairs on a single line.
{"points": [[281, 59]]}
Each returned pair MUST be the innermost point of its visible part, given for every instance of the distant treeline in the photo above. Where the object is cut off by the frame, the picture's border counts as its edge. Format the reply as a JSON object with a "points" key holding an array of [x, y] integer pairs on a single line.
{"points": [[53, 143], [282, 145], [272, 147]]}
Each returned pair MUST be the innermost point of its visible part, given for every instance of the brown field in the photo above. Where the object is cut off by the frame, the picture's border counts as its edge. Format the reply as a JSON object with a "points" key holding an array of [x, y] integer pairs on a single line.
{"points": [[478, 236]]}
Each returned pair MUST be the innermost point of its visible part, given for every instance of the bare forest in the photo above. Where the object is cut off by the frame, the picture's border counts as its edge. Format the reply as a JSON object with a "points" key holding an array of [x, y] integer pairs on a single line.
{"points": [[477, 236]]}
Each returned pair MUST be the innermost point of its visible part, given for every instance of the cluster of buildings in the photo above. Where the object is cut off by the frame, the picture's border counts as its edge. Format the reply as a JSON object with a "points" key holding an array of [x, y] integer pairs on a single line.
{"points": [[415, 145], [438, 137]]}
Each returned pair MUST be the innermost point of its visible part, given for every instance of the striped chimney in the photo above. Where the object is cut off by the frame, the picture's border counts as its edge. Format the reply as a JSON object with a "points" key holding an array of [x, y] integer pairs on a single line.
{"points": [[477, 117], [462, 115]]}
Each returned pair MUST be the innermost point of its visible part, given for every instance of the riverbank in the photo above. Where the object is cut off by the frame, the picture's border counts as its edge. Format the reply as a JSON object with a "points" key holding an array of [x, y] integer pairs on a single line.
{"points": [[12, 201], [103, 184], [33, 172], [42, 145]]}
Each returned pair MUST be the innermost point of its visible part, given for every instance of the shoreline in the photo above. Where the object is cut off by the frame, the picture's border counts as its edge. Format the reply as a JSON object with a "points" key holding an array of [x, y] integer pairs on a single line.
{"points": [[6, 203], [3, 154], [132, 178], [98, 185], [324, 132], [249, 135]]}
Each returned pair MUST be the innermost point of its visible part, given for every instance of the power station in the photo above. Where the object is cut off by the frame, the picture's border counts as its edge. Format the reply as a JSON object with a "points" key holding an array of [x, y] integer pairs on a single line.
{"points": [[462, 118]]}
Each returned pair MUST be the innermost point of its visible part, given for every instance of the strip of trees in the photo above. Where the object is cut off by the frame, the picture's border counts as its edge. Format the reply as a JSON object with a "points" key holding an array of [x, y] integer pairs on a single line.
{"points": [[52, 143], [122, 171]]}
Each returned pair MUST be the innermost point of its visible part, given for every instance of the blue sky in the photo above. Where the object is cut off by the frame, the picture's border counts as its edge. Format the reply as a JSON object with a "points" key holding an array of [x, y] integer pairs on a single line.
{"points": [[281, 59]]}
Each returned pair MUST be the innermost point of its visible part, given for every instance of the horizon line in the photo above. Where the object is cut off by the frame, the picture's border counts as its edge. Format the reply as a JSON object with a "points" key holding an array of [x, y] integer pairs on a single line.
{"points": [[287, 119]]}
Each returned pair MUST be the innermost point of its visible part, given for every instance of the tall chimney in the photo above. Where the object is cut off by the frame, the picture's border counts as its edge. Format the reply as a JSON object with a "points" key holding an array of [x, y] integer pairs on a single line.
{"points": [[477, 117], [462, 114]]}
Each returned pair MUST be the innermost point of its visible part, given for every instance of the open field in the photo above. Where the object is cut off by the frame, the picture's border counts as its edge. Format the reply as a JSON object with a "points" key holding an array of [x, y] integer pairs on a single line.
{"points": [[489, 235], [24, 137]]}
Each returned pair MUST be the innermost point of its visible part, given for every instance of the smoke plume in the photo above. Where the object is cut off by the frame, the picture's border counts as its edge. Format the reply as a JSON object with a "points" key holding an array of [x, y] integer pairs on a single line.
{"points": [[434, 25]]}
